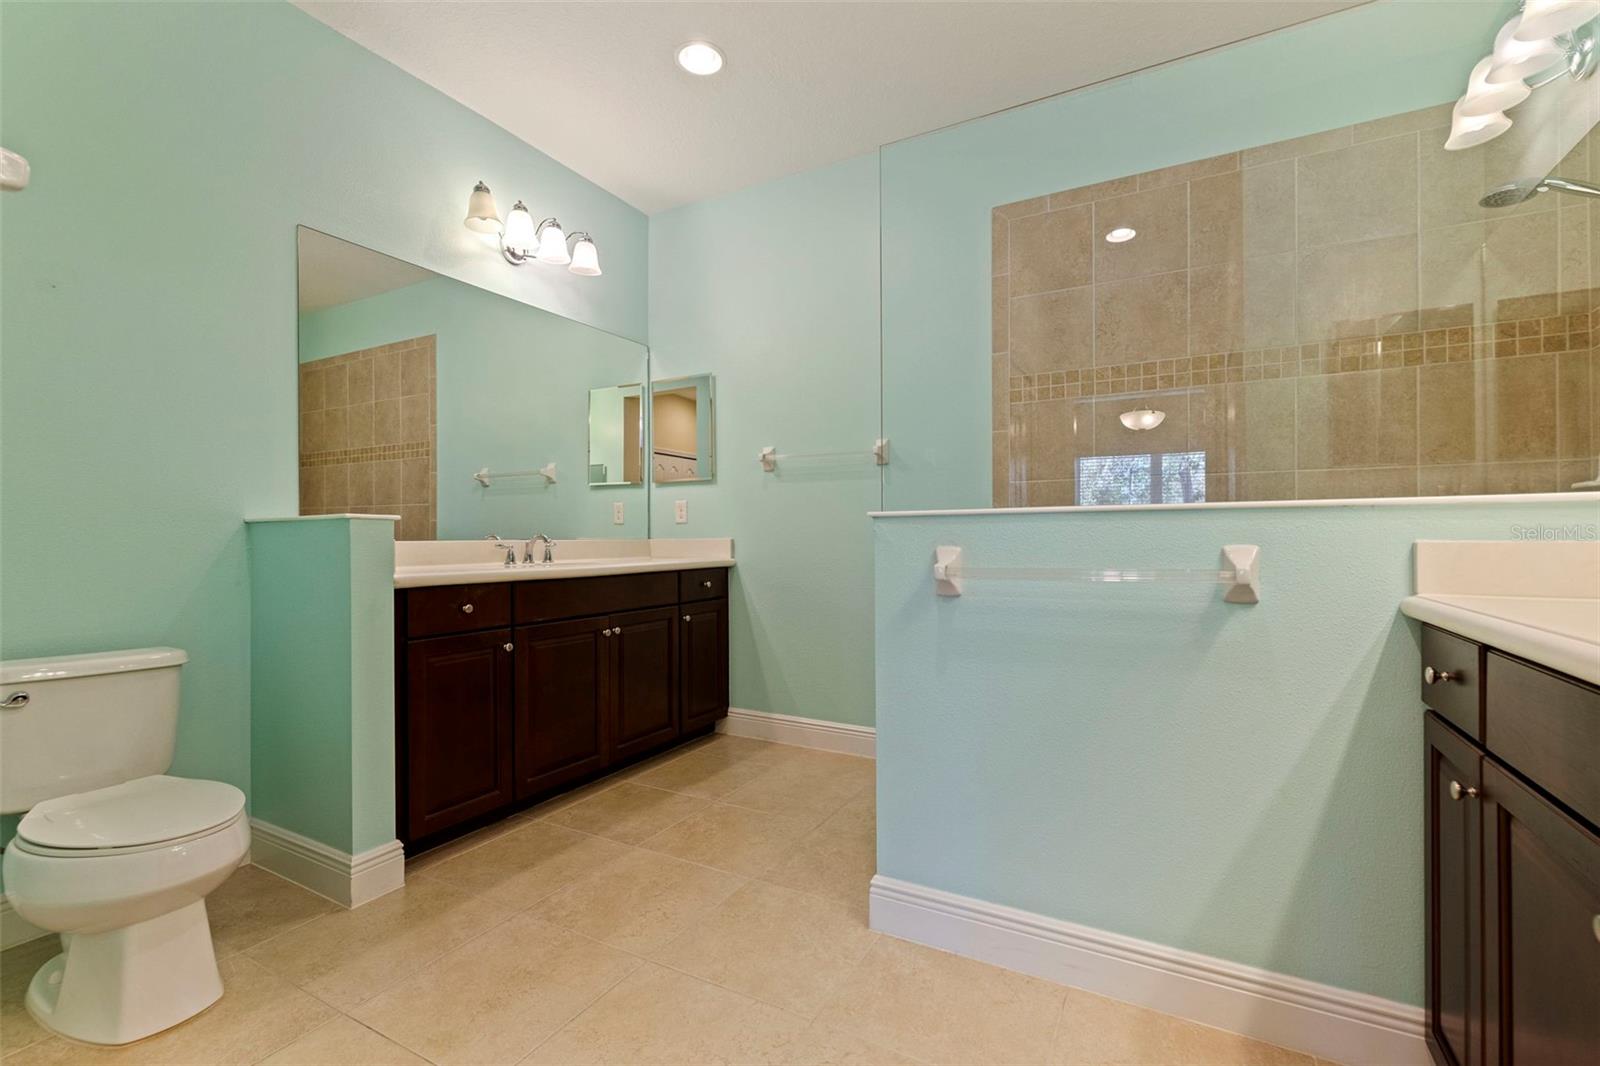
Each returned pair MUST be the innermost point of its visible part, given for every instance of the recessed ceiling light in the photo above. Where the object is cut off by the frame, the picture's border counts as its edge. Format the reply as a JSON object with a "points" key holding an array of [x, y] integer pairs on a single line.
{"points": [[698, 57], [1122, 234]]}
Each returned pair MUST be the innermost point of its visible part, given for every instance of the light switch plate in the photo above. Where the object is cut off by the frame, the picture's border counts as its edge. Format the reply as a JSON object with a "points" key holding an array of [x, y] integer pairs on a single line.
{"points": [[680, 511], [616, 513]]}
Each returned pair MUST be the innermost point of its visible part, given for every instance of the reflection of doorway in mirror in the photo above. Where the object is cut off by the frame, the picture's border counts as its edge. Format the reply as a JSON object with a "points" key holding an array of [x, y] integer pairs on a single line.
{"points": [[632, 441], [675, 438], [367, 435]]}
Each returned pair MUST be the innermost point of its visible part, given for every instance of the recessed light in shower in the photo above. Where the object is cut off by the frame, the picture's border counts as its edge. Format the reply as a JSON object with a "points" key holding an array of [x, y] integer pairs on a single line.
{"points": [[700, 57], [1122, 235]]}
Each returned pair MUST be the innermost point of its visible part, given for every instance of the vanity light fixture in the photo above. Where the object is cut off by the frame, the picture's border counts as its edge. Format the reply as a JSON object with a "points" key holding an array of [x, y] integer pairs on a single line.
{"points": [[1546, 40], [521, 241], [1122, 235], [700, 57], [1550, 18], [1142, 418]]}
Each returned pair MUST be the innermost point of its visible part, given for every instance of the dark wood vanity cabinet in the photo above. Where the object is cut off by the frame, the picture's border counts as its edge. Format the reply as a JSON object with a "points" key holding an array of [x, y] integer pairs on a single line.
{"points": [[507, 692], [458, 730], [1513, 862], [563, 686], [703, 640]]}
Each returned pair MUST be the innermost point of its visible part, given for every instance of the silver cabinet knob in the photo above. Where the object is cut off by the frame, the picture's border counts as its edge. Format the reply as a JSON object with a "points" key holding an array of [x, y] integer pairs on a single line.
{"points": [[1434, 677], [466, 608], [510, 647], [705, 584], [1457, 791], [687, 617], [605, 632]]}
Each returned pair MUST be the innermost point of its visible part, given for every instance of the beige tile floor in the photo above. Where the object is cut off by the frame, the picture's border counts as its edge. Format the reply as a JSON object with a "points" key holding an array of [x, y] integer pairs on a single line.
{"points": [[706, 907]]}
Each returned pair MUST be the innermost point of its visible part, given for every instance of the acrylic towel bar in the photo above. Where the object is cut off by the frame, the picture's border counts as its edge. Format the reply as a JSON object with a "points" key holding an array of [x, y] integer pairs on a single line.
{"points": [[879, 454], [1241, 573], [547, 471]]}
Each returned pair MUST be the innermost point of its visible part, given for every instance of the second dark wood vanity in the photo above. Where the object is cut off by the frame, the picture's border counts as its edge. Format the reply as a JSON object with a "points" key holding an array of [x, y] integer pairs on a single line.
{"points": [[1513, 858], [508, 692]]}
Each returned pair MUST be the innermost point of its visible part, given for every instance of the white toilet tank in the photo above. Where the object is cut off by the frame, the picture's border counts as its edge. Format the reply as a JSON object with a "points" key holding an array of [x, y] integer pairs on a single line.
{"points": [[73, 723]]}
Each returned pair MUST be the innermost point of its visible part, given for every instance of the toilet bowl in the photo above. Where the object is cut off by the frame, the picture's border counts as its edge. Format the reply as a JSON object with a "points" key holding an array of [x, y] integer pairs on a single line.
{"points": [[112, 854], [122, 874]]}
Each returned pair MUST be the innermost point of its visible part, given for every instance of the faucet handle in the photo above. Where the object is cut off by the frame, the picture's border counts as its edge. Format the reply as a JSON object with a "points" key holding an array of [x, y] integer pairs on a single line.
{"points": [[509, 549]]}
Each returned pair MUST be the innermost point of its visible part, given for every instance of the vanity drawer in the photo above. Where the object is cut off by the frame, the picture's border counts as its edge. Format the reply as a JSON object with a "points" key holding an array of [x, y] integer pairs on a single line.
{"points": [[1547, 728], [1456, 688], [546, 601], [456, 609], [702, 585]]}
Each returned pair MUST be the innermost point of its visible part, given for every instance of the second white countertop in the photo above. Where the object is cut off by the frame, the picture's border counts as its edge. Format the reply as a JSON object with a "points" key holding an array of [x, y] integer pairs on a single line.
{"points": [[1560, 633]]}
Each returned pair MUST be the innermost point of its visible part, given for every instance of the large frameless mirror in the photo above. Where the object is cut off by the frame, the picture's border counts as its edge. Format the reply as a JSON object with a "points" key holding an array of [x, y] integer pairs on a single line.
{"points": [[683, 430], [464, 412]]}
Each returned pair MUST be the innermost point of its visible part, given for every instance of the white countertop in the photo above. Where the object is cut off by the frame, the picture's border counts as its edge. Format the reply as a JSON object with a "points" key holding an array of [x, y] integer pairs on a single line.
{"points": [[1560, 633], [407, 577], [1516, 596], [422, 563]]}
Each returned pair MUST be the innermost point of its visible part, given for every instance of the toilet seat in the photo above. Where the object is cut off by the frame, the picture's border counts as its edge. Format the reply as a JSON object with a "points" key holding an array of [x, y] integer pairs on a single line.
{"points": [[145, 813]]}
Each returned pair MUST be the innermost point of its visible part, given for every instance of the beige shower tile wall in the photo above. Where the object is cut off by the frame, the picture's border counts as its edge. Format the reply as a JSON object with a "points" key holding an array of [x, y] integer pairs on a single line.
{"points": [[368, 435], [1331, 316]]}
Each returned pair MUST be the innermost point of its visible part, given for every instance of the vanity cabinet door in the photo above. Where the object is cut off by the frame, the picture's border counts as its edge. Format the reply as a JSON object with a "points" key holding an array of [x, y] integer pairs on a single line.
{"points": [[1454, 920], [563, 680], [703, 638], [645, 708], [1542, 928], [458, 729]]}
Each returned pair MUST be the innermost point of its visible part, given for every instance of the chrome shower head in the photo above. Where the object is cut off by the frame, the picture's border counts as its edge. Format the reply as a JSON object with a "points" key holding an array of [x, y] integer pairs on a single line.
{"points": [[1519, 191]]}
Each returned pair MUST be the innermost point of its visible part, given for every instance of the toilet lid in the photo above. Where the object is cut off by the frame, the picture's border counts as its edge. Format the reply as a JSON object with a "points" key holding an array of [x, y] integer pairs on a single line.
{"points": [[147, 810]]}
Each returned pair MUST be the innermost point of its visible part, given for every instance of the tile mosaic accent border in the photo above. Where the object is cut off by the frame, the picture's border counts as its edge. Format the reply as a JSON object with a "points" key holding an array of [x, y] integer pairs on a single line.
{"points": [[368, 435]]}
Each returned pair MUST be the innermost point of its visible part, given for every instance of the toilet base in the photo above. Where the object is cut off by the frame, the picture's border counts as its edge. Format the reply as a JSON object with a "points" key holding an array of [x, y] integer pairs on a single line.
{"points": [[120, 986]]}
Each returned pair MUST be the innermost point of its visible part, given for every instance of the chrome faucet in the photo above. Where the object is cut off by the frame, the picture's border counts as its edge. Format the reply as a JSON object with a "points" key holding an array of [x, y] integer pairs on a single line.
{"points": [[549, 548], [510, 549]]}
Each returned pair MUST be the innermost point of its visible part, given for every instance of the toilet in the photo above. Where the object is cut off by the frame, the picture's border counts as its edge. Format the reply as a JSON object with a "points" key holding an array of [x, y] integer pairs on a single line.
{"points": [[112, 854]]}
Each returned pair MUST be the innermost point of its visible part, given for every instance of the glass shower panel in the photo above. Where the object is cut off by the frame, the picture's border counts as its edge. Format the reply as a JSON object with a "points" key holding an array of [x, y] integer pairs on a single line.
{"points": [[1337, 314]]}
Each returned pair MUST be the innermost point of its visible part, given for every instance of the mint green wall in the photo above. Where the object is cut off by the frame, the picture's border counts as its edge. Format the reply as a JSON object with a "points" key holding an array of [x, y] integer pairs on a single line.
{"points": [[147, 390], [938, 191], [1239, 781], [775, 291], [322, 680], [372, 739], [512, 394], [1242, 781]]}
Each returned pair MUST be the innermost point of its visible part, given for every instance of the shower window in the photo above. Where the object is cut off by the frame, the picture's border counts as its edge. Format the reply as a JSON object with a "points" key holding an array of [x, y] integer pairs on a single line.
{"points": [[1173, 477]]}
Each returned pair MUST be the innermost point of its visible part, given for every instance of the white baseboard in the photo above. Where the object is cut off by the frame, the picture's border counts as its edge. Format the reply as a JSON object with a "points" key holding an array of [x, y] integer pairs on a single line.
{"points": [[1318, 1019], [801, 732], [348, 880], [14, 928]]}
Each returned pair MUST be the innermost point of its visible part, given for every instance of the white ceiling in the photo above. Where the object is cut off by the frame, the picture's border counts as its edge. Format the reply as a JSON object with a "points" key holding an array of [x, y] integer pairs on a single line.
{"points": [[594, 84], [334, 272]]}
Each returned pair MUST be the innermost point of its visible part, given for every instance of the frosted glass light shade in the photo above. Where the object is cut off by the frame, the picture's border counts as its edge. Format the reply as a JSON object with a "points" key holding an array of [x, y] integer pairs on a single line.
{"points": [[1143, 418], [585, 257], [519, 235], [481, 214], [552, 244], [1468, 131], [1484, 98], [1514, 60], [1543, 19]]}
